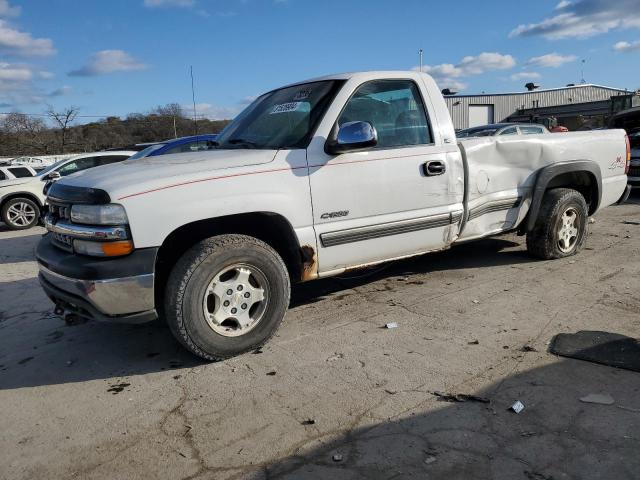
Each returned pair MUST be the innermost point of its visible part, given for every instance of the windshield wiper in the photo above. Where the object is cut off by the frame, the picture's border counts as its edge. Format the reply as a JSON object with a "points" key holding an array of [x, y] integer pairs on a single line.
{"points": [[242, 142]]}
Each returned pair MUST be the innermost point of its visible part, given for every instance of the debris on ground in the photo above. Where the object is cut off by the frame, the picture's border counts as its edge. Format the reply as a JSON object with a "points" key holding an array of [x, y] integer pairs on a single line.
{"points": [[629, 222], [337, 356], [528, 348], [528, 434], [390, 392], [257, 351], [430, 459], [391, 325], [337, 457], [592, 220], [598, 398], [473, 342], [271, 373], [517, 407], [118, 387], [308, 421], [459, 397], [605, 348], [475, 301], [72, 320], [629, 409]]}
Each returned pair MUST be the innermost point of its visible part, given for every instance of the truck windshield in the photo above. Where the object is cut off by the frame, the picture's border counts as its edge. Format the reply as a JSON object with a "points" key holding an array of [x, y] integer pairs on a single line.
{"points": [[284, 118]]}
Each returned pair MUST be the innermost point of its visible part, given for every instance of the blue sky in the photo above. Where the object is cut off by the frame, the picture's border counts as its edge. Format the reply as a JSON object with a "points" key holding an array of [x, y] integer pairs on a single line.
{"points": [[112, 57]]}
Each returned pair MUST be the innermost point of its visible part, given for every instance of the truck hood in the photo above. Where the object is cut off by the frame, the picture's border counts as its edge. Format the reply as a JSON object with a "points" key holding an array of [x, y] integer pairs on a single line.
{"points": [[133, 176]]}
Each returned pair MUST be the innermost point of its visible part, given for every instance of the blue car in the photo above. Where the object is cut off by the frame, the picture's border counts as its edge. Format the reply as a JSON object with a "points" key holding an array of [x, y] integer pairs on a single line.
{"points": [[194, 143]]}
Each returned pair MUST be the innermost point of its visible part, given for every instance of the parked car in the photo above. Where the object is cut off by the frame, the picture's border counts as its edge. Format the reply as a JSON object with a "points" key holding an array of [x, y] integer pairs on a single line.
{"points": [[195, 143], [12, 172], [22, 199], [630, 121], [310, 181], [503, 129]]}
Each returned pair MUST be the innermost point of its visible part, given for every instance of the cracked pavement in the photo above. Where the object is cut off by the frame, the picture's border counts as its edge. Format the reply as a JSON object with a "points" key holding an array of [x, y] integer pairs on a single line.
{"points": [[349, 399]]}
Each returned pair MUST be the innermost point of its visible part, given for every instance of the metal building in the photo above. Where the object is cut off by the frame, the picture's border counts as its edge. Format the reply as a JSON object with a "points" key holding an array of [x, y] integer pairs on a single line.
{"points": [[570, 105]]}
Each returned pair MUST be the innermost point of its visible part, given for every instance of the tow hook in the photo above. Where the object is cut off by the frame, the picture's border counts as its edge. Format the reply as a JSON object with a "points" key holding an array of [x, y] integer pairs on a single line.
{"points": [[69, 318]]}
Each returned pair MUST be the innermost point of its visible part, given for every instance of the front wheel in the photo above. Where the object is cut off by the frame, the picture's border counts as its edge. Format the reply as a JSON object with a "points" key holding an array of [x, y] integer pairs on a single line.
{"points": [[227, 295], [20, 213], [561, 227]]}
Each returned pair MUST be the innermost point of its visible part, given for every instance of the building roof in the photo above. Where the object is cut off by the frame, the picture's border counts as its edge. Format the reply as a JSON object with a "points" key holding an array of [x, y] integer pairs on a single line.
{"points": [[541, 90]]}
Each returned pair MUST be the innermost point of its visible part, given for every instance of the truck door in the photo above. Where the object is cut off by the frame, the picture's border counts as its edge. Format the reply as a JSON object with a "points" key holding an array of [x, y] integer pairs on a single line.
{"points": [[393, 200]]}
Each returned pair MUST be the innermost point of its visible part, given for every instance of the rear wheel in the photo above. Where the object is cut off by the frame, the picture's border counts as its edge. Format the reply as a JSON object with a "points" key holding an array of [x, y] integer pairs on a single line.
{"points": [[227, 295], [20, 213], [561, 227]]}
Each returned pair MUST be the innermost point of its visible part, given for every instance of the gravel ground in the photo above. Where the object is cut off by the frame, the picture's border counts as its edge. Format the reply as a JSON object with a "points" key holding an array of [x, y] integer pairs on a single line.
{"points": [[335, 395]]}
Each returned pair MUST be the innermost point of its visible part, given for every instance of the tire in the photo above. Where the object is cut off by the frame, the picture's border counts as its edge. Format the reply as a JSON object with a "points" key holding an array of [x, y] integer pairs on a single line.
{"points": [[220, 264], [561, 227], [20, 213]]}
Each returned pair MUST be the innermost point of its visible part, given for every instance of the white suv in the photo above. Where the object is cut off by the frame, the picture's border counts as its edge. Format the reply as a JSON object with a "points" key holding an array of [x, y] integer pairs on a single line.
{"points": [[11, 172], [21, 199]]}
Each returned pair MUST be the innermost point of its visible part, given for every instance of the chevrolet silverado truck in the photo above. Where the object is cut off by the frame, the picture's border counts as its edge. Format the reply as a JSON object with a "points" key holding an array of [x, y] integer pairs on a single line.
{"points": [[311, 180]]}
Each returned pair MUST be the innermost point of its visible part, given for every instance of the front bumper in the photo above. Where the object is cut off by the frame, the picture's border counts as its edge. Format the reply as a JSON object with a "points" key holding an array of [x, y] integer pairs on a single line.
{"points": [[114, 290]]}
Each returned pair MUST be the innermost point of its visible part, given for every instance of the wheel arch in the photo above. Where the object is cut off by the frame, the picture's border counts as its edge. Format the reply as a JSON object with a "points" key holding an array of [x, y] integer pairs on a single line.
{"points": [[29, 195], [581, 175], [271, 228]]}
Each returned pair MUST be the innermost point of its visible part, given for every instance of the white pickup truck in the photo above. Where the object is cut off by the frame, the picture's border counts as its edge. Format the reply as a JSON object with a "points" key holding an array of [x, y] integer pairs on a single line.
{"points": [[311, 180]]}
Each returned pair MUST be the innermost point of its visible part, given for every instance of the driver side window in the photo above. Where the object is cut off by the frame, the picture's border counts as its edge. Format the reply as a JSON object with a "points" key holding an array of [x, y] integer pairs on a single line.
{"points": [[394, 108]]}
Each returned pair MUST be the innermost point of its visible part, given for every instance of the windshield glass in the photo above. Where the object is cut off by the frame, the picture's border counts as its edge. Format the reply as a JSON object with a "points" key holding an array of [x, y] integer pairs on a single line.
{"points": [[50, 168], [146, 152], [477, 132], [284, 118]]}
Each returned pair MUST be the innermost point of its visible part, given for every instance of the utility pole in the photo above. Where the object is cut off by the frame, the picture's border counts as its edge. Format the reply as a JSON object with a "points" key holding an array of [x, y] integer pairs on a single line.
{"points": [[175, 132], [420, 52], [193, 97], [582, 81]]}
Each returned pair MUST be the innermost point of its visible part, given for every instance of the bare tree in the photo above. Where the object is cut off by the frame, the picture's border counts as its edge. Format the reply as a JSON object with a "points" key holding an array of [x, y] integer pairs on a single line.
{"points": [[63, 119]]}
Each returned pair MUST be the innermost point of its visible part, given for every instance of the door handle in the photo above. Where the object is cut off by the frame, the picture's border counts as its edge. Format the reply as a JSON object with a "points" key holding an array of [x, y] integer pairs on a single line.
{"points": [[434, 167]]}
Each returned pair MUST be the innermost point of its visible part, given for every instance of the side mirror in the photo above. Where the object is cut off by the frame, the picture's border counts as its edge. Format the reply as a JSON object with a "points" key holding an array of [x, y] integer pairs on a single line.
{"points": [[53, 176], [352, 137]]}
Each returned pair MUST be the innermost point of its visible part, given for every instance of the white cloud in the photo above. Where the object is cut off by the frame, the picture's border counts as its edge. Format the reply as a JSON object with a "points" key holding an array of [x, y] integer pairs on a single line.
{"points": [[525, 76], [626, 47], [551, 60], [448, 75], [59, 92], [7, 10], [212, 112], [16, 43], [583, 19], [169, 3], [17, 84], [563, 4], [14, 73], [108, 61]]}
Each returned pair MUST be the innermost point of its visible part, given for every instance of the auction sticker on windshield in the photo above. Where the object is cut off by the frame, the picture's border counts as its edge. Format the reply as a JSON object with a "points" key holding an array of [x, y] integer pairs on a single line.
{"points": [[287, 107]]}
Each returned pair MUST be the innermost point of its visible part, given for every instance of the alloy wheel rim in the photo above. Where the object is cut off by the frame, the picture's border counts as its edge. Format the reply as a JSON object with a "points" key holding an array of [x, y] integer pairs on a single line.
{"points": [[21, 214], [568, 230], [236, 299]]}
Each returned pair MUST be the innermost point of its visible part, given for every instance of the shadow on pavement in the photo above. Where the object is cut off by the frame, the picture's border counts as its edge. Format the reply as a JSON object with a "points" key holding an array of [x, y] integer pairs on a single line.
{"points": [[19, 248], [489, 252], [556, 436], [40, 349]]}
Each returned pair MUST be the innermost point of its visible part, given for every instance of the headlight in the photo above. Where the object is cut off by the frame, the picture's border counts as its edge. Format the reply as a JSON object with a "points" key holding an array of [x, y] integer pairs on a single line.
{"points": [[103, 249], [110, 214]]}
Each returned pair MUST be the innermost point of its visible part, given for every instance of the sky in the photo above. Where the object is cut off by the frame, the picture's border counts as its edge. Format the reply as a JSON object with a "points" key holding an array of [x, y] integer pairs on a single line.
{"points": [[114, 57]]}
